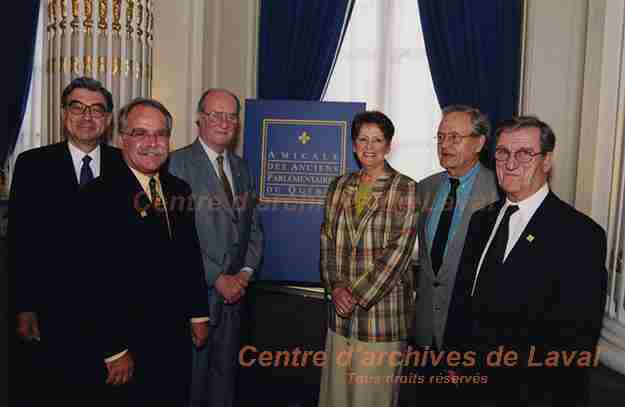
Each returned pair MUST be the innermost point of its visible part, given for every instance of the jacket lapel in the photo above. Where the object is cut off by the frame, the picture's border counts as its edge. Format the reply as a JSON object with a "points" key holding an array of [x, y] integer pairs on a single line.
{"points": [[214, 187], [349, 208], [379, 188], [67, 166], [533, 232]]}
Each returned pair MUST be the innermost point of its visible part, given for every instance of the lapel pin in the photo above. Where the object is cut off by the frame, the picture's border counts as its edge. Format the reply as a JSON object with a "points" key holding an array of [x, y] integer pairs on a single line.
{"points": [[530, 238]]}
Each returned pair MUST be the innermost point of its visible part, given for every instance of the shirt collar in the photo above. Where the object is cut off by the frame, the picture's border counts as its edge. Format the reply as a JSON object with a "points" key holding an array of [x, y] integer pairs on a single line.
{"points": [[212, 155], [77, 155], [144, 180], [529, 205], [468, 176]]}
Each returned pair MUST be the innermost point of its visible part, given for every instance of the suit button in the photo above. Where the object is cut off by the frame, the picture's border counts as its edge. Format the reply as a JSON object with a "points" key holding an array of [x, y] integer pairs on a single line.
{"points": [[437, 284]]}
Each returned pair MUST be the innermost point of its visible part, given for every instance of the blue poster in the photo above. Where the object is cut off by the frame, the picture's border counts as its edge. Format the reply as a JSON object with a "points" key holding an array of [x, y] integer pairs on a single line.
{"points": [[295, 149]]}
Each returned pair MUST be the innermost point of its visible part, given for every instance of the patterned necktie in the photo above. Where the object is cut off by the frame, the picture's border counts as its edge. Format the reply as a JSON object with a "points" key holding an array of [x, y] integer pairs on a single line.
{"points": [[86, 174], [494, 256], [444, 223], [158, 208], [224, 179]]}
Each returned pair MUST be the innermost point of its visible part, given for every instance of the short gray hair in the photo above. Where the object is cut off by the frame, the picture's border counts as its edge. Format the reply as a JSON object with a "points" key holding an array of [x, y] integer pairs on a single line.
{"points": [[125, 111], [479, 122]]}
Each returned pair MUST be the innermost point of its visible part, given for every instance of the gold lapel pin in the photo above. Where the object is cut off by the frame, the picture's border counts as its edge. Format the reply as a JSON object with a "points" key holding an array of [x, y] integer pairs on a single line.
{"points": [[530, 238]]}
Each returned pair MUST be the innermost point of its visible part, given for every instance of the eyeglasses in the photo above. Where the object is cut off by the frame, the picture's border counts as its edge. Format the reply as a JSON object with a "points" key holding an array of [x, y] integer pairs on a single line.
{"points": [[522, 156], [215, 117], [455, 138], [141, 134], [77, 108]]}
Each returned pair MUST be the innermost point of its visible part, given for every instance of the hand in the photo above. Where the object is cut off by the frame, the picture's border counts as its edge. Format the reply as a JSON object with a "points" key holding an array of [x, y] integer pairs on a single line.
{"points": [[343, 300], [230, 287], [28, 326], [120, 370], [244, 278], [199, 333]]}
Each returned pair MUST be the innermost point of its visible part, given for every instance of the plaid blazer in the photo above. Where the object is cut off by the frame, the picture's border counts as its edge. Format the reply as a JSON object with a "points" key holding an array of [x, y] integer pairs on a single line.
{"points": [[370, 255]]}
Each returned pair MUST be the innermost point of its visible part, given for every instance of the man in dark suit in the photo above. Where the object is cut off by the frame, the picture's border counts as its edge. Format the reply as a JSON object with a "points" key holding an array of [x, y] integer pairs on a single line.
{"points": [[531, 280], [153, 305], [230, 237], [44, 190]]}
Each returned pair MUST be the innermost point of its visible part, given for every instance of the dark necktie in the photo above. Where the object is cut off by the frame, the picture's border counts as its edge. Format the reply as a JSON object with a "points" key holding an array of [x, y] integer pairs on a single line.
{"points": [[86, 174], [224, 179], [495, 254], [158, 208], [444, 224]]}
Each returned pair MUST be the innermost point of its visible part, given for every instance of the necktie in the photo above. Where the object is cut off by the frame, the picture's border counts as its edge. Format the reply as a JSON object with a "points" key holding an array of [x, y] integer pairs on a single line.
{"points": [[495, 254], [224, 179], [158, 209], [86, 174], [444, 224]]}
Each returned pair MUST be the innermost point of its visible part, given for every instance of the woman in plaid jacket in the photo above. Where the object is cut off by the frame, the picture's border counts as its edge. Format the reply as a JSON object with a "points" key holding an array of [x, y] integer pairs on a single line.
{"points": [[367, 238]]}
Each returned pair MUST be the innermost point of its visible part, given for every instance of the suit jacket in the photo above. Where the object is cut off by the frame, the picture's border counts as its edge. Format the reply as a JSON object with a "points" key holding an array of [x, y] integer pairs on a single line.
{"points": [[370, 254], [230, 238], [44, 191], [149, 285], [550, 295], [434, 291]]}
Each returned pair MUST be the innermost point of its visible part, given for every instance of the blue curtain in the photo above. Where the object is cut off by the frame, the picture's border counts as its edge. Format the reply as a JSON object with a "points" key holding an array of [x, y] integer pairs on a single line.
{"points": [[18, 69], [474, 51], [298, 44]]}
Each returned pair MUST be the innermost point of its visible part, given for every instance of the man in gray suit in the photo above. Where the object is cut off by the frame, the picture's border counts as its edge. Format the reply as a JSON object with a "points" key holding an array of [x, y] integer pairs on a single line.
{"points": [[447, 200], [230, 237]]}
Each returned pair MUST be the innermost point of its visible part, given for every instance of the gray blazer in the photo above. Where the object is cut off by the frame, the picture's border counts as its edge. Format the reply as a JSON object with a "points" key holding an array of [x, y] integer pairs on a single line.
{"points": [[230, 238], [434, 291]]}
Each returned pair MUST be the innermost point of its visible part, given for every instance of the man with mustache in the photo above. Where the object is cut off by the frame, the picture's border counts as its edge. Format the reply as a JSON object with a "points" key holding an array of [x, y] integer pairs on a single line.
{"points": [[154, 306], [531, 282], [47, 294]]}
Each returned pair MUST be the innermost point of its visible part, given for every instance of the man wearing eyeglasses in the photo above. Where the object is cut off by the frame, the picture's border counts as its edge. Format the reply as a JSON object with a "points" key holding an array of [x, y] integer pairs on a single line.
{"points": [[531, 282], [46, 185], [154, 308], [447, 200], [230, 236]]}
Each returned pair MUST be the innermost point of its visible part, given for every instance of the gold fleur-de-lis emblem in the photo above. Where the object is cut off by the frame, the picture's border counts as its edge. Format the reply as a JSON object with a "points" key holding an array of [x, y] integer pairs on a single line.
{"points": [[304, 137]]}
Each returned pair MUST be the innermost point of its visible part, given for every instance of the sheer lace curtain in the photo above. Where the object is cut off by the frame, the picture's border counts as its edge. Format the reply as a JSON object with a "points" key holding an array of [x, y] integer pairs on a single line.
{"points": [[383, 62]]}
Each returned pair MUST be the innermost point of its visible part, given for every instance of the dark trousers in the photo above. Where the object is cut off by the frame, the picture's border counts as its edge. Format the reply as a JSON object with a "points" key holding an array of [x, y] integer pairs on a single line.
{"points": [[215, 366]]}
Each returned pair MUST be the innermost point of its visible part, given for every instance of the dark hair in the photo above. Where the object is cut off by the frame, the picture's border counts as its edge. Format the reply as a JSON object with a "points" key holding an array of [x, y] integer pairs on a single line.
{"points": [[547, 138], [90, 84], [373, 117], [125, 111], [200, 104], [480, 126]]}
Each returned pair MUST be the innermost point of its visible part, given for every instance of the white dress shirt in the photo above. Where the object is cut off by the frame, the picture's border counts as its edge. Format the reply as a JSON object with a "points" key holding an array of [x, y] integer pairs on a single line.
{"points": [[212, 156], [518, 222], [78, 155]]}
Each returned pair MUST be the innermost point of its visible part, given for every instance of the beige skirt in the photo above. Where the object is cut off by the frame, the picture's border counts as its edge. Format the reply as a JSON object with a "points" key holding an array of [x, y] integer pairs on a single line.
{"points": [[360, 374]]}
